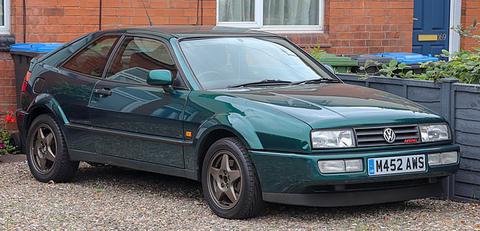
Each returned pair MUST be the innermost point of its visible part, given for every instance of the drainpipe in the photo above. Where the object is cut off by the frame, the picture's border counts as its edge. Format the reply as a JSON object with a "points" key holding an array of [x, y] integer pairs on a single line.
{"points": [[100, 8], [24, 21]]}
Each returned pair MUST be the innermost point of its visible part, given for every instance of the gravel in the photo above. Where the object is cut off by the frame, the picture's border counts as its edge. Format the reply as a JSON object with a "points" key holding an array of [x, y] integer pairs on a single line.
{"points": [[117, 199]]}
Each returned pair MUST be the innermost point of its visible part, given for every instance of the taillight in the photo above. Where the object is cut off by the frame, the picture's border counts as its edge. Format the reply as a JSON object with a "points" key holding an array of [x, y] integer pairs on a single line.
{"points": [[25, 81]]}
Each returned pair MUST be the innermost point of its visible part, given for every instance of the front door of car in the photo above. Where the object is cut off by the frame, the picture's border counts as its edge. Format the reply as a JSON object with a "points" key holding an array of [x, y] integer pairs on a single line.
{"points": [[134, 120]]}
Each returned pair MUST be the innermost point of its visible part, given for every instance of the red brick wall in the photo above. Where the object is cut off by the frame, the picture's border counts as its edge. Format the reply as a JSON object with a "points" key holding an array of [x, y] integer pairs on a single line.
{"points": [[63, 20], [470, 13], [363, 26], [370, 26], [7, 89], [351, 26]]}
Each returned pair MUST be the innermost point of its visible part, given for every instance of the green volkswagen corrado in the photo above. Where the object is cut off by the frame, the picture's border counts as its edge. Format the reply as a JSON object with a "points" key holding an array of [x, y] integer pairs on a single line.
{"points": [[248, 114]]}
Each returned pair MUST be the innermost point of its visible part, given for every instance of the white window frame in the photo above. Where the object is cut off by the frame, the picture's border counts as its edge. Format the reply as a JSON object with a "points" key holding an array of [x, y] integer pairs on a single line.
{"points": [[455, 21], [258, 23], [5, 29]]}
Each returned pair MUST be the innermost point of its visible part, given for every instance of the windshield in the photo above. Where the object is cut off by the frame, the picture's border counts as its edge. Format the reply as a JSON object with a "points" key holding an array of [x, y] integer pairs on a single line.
{"points": [[220, 63]]}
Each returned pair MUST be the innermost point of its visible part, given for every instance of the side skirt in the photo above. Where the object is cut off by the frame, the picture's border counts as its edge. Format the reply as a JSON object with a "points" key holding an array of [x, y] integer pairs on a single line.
{"points": [[77, 155]]}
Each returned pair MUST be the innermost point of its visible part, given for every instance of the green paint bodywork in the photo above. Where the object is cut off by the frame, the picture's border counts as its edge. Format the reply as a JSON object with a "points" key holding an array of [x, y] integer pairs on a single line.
{"points": [[273, 122], [293, 173], [281, 118]]}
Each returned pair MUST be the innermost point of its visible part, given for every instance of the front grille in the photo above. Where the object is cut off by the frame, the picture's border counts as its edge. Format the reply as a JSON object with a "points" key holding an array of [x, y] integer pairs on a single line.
{"points": [[373, 136]]}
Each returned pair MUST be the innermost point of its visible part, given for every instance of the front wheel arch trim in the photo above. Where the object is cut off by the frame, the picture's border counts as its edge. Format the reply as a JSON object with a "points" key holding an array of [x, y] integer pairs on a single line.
{"points": [[208, 138]]}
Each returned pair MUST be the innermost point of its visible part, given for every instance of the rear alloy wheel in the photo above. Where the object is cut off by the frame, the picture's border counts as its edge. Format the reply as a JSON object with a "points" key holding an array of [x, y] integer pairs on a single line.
{"points": [[47, 152], [229, 181], [43, 149]]}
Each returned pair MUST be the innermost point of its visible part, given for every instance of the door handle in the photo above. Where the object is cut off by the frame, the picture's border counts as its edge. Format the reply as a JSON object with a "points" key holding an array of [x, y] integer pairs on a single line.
{"points": [[103, 92]]}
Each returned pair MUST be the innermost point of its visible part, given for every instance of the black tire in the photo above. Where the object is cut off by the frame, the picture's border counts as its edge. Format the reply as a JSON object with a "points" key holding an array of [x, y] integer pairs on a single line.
{"points": [[250, 203], [61, 168]]}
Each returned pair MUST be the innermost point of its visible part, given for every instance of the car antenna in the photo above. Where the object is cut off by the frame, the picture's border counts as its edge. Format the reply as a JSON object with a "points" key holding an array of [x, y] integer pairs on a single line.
{"points": [[146, 12]]}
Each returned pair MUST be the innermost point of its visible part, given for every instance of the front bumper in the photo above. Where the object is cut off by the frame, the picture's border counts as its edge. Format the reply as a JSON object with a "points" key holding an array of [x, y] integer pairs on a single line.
{"points": [[295, 179]]}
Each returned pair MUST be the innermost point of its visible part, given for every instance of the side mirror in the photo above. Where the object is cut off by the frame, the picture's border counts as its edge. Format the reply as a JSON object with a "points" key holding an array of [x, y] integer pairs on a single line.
{"points": [[330, 68], [160, 78]]}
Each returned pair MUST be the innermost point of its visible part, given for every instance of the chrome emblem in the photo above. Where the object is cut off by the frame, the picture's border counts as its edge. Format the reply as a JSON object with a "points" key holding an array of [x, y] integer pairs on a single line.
{"points": [[389, 135]]}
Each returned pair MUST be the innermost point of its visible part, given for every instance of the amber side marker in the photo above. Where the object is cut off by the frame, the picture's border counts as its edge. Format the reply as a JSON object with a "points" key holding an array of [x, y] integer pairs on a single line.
{"points": [[188, 134]]}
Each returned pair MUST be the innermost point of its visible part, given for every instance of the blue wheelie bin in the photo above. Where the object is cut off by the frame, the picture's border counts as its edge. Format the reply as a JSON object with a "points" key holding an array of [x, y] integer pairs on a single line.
{"points": [[22, 54]]}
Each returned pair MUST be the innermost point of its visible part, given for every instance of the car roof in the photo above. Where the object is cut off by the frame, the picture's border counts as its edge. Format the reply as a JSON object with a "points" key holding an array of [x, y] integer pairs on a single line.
{"points": [[191, 31]]}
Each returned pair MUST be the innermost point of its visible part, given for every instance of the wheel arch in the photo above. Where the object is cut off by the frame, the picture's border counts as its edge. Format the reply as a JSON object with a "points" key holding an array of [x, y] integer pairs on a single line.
{"points": [[211, 134], [45, 104]]}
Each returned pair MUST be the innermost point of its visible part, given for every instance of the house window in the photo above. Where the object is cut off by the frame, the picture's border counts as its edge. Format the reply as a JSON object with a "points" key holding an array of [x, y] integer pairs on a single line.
{"points": [[4, 16], [272, 15]]}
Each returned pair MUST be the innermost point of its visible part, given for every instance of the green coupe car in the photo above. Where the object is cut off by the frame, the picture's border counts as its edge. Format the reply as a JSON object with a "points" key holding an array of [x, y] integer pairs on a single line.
{"points": [[249, 114]]}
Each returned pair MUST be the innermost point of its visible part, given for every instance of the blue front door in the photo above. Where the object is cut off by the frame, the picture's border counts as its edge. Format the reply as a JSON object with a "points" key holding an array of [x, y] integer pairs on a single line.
{"points": [[431, 26]]}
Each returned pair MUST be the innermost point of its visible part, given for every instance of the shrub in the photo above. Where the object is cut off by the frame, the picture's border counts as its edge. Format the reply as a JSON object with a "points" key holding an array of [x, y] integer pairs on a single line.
{"points": [[463, 65], [395, 69], [6, 143], [318, 53]]}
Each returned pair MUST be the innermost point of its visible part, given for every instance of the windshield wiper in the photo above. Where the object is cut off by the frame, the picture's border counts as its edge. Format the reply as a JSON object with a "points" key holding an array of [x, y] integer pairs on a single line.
{"points": [[314, 81], [264, 82]]}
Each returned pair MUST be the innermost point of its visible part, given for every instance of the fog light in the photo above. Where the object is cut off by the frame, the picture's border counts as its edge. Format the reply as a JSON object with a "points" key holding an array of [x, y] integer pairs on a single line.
{"points": [[331, 166], [340, 166], [355, 165], [442, 158]]}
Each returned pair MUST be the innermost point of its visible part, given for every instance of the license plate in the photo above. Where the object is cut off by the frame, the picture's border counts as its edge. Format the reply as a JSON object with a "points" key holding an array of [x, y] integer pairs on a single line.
{"points": [[396, 165]]}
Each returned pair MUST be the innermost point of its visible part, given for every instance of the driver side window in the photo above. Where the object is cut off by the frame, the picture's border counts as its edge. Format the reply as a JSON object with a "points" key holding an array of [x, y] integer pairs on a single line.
{"points": [[136, 57]]}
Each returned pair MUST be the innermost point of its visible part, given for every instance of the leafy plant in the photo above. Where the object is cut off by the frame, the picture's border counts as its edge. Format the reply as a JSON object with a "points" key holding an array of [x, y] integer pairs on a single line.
{"points": [[463, 65], [367, 67], [470, 31], [395, 69], [318, 53], [6, 144]]}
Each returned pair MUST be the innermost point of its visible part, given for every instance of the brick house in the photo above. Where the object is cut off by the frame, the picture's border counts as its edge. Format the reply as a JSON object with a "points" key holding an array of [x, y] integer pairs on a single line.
{"points": [[338, 26]]}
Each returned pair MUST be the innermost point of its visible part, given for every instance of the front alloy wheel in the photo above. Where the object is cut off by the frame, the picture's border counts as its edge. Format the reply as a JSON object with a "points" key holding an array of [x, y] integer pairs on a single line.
{"points": [[229, 180], [224, 180]]}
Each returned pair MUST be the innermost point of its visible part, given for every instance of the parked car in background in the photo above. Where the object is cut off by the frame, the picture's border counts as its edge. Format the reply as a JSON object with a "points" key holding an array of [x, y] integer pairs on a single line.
{"points": [[248, 114]]}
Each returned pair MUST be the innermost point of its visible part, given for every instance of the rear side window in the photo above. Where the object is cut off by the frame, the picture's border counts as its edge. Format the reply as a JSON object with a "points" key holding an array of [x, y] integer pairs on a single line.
{"points": [[92, 59]]}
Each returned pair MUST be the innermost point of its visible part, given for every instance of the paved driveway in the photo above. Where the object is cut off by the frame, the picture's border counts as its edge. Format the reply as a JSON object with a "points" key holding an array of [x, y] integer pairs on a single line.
{"points": [[113, 198]]}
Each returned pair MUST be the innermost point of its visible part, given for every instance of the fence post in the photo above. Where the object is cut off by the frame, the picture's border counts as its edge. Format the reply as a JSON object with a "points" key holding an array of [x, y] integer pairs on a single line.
{"points": [[447, 102]]}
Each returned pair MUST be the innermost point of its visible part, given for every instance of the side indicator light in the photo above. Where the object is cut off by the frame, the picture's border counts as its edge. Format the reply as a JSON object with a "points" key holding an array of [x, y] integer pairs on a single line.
{"points": [[188, 134]]}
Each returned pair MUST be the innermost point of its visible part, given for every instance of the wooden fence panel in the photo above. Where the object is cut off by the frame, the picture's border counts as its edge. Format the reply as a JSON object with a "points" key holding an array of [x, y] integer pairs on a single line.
{"points": [[460, 105]]}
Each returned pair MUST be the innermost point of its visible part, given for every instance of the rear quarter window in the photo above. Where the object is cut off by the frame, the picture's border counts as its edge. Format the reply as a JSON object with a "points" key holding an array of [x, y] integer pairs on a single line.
{"points": [[93, 58], [68, 50]]}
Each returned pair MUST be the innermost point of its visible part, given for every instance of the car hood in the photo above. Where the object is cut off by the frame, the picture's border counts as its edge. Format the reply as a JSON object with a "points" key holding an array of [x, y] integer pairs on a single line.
{"points": [[338, 105]]}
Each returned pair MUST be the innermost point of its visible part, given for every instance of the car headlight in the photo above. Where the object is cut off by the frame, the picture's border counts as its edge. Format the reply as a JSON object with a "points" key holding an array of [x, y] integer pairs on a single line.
{"points": [[342, 138], [434, 132]]}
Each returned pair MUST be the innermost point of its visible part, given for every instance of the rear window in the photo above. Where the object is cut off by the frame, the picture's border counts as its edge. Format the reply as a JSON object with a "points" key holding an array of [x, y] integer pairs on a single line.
{"points": [[92, 59]]}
